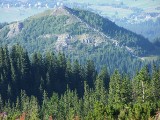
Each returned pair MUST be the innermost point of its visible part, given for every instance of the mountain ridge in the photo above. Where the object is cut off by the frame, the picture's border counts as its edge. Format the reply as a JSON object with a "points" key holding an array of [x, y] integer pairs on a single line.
{"points": [[63, 10], [80, 35]]}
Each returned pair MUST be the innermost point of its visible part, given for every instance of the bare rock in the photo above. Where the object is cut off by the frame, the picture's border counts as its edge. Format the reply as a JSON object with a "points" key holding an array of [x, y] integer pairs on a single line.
{"points": [[15, 29]]}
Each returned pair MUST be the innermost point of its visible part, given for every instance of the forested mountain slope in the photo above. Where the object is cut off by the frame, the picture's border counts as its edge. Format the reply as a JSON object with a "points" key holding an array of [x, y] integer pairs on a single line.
{"points": [[51, 87], [72, 64], [80, 35]]}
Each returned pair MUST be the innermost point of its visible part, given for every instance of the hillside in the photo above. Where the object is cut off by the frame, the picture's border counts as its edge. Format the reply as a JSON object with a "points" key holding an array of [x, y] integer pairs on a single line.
{"points": [[139, 16], [80, 35], [150, 29]]}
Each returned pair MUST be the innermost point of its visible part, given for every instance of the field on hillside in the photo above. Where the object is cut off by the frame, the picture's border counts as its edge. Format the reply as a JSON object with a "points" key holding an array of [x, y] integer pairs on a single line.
{"points": [[135, 3], [16, 14], [125, 7], [110, 11], [109, 8]]}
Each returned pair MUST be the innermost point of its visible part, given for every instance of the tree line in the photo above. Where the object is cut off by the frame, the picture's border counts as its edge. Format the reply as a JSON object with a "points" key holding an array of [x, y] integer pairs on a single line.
{"points": [[50, 86]]}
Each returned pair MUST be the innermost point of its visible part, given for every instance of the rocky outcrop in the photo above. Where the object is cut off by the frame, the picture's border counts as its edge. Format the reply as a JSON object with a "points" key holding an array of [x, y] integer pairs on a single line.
{"points": [[14, 29]]}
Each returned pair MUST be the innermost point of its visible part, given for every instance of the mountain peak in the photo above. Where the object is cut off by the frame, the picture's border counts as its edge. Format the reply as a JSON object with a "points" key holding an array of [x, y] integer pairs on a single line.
{"points": [[85, 27], [57, 11], [61, 10]]}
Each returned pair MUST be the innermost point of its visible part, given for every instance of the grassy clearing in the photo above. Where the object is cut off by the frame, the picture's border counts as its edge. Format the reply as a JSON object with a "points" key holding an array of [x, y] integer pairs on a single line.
{"points": [[150, 58]]}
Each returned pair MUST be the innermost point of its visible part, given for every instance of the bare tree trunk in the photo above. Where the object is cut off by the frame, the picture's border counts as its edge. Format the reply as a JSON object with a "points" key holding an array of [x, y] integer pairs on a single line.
{"points": [[142, 91]]}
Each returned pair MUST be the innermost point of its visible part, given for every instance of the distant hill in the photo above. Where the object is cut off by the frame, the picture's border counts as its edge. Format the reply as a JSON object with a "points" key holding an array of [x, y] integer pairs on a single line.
{"points": [[150, 29], [80, 35]]}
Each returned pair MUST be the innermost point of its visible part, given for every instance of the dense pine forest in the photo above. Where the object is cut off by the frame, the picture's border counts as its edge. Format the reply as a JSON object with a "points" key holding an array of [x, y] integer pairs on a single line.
{"points": [[52, 87]]}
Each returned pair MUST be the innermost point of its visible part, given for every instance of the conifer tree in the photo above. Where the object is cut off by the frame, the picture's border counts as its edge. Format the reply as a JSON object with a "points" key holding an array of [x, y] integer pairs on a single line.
{"points": [[100, 91], [44, 109], [34, 109], [104, 76], [37, 72], [86, 97], [26, 81], [68, 74], [90, 73], [126, 90], [141, 86], [155, 84], [114, 97], [77, 81], [1, 103], [7, 63], [61, 72]]}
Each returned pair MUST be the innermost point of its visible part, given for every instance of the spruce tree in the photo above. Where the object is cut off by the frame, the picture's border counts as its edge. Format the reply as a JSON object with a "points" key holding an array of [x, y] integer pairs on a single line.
{"points": [[114, 97], [155, 84], [126, 90], [141, 86], [104, 76], [100, 91], [90, 73]]}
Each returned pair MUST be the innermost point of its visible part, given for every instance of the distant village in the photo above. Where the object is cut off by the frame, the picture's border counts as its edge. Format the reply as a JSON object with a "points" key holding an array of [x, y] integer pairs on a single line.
{"points": [[40, 4], [30, 4], [137, 16]]}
